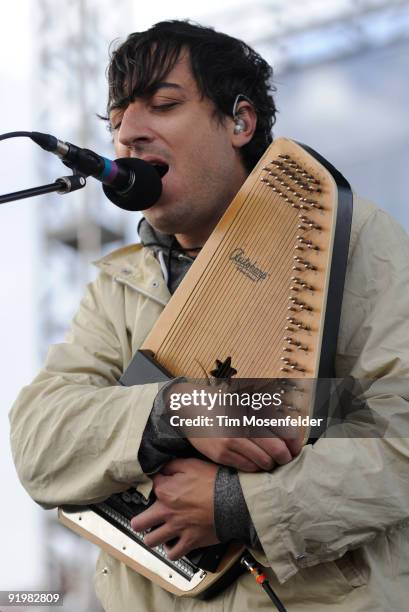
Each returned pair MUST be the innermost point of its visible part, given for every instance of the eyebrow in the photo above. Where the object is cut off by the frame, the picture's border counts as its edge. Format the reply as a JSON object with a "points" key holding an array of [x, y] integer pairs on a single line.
{"points": [[149, 92], [165, 85]]}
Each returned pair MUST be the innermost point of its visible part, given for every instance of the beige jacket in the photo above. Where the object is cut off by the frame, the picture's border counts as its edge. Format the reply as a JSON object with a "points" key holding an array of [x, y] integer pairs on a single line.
{"points": [[334, 523]]}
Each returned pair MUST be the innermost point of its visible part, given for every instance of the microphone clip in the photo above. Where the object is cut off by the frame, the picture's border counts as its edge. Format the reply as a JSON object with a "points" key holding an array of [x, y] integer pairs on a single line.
{"points": [[62, 185]]}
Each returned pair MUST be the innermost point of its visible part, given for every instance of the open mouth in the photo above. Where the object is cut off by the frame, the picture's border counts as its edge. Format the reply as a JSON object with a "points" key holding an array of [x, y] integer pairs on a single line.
{"points": [[160, 166], [161, 169]]}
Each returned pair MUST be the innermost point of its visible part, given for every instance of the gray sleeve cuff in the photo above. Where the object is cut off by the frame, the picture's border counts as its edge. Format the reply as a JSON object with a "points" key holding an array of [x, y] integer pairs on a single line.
{"points": [[160, 442], [231, 515]]}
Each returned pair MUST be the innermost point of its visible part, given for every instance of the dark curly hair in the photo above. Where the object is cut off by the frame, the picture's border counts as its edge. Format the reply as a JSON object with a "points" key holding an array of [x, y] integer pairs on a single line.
{"points": [[222, 66]]}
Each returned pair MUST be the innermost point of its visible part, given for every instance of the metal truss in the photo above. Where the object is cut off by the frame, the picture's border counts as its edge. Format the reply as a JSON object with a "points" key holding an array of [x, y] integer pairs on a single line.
{"points": [[297, 33], [70, 89], [71, 44]]}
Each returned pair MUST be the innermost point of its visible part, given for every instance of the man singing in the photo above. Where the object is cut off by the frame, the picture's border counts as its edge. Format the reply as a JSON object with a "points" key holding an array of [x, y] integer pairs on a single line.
{"points": [[329, 522]]}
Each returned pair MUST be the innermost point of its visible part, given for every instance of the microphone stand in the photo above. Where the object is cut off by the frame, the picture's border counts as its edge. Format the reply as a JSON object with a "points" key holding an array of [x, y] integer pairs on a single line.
{"points": [[62, 185]]}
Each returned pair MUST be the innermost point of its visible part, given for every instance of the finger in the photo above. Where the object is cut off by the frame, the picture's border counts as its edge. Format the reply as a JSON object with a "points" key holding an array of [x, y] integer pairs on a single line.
{"points": [[294, 445], [254, 452], [158, 479], [179, 549], [239, 462], [161, 485], [153, 516], [277, 449], [293, 442], [161, 535]]}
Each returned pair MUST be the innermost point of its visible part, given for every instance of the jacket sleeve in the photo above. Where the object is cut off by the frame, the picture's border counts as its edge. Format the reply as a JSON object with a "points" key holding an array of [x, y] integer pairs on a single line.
{"points": [[75, 432], [341, 492]]}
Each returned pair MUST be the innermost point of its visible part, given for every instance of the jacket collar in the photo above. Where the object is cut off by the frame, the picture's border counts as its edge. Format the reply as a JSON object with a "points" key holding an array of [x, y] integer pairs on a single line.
{"points": [[137, 268]]}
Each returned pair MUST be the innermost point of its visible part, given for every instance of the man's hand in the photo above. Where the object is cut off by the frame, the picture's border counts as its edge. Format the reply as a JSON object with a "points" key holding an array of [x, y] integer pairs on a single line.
{"points": [[183, 508], [245, 454], [248, 454]]}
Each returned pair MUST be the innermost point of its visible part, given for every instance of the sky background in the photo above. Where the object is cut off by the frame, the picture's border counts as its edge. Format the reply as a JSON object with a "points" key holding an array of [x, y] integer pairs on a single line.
{"points": [[353, 111]]}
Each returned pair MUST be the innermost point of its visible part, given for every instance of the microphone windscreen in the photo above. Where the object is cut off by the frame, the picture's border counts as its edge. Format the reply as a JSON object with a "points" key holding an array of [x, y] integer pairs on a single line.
{"points": [[145, 191]]}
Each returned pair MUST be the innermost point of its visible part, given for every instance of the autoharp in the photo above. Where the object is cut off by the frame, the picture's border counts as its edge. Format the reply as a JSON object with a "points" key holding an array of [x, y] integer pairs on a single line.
{"points": [[265, 296]]}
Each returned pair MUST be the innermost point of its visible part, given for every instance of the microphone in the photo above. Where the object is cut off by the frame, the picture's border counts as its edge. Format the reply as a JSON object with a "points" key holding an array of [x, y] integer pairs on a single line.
{"points": [[130, 183]]}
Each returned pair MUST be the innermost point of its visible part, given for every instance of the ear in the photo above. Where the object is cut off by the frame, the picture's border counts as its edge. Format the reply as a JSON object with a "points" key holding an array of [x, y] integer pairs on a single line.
{"points": [[247, 118]]}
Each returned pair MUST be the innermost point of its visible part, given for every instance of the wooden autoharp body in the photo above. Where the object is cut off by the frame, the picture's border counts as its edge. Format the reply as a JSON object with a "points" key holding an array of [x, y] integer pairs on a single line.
{"points": [[265, 293]]}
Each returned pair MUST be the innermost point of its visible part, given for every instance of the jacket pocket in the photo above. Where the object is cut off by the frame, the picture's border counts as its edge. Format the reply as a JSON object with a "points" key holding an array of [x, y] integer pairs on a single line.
{"points": [[351, 566]]}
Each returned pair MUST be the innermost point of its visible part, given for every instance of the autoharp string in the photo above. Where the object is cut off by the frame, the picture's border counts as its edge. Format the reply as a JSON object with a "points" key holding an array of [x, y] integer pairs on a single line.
{"points": [[203, 300], [269, 204], [180, 319], [209, 295]]}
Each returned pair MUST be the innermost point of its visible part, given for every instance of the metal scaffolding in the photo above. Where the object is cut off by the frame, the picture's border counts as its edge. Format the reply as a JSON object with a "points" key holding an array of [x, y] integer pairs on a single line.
{"points": [[71, 54], [292, 35], [70, 89]]}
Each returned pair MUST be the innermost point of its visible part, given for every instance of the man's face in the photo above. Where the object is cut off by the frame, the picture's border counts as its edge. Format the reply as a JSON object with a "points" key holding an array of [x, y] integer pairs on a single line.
{"points": [[176, 126]]}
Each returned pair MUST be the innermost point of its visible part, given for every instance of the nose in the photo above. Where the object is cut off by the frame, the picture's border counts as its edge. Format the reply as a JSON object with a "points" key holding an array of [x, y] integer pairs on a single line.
{"points": [[135, 130]]}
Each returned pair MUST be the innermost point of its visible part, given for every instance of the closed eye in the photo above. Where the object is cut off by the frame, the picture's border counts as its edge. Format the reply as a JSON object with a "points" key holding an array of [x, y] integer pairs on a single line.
{"points": [[164, 107], [155, 107]]}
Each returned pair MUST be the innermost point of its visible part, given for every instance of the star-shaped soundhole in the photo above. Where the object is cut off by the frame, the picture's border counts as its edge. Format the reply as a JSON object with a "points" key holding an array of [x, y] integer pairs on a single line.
{"points": [[223, 369]]}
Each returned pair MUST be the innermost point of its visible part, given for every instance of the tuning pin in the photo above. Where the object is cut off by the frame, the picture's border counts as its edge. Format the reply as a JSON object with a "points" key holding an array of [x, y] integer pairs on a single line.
{"points": [[298, 324], [308, 243], [310, 224], [307, 264], [291, 341], [313, 180], [301, 285], [294, 365]]}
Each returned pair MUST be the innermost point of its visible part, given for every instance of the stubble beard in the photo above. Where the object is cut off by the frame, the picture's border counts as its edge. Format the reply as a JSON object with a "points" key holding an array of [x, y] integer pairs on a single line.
{"points": [[198, 212], [187, 218]]}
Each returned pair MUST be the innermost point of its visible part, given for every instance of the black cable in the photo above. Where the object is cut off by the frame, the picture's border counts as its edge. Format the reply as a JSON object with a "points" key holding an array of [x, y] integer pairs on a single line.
{"points": [[276, 601], [253, 567], [14, 135]]}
